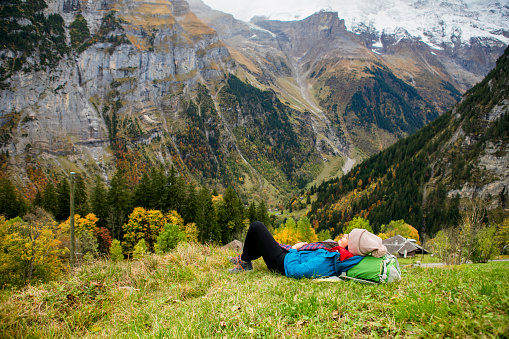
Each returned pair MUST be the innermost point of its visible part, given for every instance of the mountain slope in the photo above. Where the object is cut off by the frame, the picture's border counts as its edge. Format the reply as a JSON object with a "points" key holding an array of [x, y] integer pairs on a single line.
{"points": [[341, 76], [142, 83], [99, 87], [428, 177]]}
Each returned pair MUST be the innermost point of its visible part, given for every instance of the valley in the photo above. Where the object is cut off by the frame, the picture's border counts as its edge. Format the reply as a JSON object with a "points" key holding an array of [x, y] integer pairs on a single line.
{"points": [[150, 83]]}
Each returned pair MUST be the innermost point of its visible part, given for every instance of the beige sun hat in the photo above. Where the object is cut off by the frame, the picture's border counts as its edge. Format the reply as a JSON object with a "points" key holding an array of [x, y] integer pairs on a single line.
{"points": [[363, 242]]}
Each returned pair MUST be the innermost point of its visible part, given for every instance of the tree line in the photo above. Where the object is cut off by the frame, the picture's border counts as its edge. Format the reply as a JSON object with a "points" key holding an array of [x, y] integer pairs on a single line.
{"points": [[219, 218]]}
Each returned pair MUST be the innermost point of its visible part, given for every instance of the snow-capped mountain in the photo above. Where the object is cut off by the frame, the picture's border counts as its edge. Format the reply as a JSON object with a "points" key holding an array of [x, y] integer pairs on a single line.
{"points": [[435, 22]]}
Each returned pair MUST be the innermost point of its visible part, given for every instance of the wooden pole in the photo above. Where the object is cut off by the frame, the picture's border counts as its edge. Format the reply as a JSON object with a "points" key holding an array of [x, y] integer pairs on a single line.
{"points": [[72, 221]]}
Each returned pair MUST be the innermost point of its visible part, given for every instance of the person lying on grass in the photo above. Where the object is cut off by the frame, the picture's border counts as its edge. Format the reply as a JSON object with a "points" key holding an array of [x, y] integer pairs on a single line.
{"points": [[304, 260]]}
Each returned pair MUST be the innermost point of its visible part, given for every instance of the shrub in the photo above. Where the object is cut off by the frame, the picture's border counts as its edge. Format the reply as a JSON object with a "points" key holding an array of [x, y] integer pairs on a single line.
{"points": [[169, 238], [485, 248], [140, 249], [116, 251]]}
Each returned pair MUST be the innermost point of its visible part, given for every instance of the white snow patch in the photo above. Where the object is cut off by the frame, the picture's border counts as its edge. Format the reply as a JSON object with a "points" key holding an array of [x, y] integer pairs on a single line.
{"points": [[434, 21]]}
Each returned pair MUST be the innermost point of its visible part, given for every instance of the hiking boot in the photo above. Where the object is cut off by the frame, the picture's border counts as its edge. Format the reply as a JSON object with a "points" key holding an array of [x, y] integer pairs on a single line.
{"points": [[241, 267], [235, 260]]}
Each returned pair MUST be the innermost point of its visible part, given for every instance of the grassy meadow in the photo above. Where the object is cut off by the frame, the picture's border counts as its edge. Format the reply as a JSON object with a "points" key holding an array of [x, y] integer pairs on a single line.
{"points": [[188, 293]]}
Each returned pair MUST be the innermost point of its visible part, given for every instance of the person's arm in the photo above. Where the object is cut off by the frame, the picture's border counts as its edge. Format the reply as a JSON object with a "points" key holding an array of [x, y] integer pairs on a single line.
{"points": [[299, 245], [308, 269]]}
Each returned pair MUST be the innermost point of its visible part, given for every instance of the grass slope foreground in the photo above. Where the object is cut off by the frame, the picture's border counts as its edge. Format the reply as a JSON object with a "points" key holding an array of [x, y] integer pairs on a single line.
{"points": [[189, 294]]}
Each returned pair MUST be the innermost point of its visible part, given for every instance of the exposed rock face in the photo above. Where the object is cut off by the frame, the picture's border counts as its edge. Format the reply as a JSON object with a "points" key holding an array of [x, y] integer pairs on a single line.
{"points": [[166, 50]]}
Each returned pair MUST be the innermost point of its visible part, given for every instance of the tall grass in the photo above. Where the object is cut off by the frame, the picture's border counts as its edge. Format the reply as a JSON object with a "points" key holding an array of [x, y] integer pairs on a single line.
{"points": [[189, 294]]}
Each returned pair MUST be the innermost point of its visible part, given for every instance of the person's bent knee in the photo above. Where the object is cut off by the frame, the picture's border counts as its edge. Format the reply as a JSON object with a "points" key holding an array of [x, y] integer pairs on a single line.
{"points": [[257, 224]]}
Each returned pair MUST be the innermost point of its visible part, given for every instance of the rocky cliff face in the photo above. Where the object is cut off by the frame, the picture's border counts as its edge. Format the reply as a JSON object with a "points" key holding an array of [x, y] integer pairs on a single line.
{"points": [[147, 83], [145, 57]]}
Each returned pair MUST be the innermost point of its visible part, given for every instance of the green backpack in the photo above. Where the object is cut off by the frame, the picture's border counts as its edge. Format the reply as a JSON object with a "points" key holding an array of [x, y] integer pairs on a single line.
{"points": [[373, 270]]}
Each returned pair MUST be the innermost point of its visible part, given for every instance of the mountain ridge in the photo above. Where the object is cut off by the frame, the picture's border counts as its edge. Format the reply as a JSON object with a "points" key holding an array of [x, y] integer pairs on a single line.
{"points": [[427, 178]]}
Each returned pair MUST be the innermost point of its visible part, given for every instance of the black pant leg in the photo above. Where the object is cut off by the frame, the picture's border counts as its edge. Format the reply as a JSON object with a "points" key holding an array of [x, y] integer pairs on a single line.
{"points": [[260, 243]]}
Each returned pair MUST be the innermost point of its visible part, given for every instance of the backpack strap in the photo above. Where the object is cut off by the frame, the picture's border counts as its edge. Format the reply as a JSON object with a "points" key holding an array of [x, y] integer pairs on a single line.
{"points": [[362, 281]]}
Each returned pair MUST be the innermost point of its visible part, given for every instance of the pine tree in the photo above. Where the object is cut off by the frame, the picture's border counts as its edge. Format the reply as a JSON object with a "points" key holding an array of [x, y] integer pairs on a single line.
{"points": [[191, 205], [158, 189], [230, 215], [176, 192], [38, 199], [170, 190], [251, 212], [99, 203], [49, 199], [63, 200], [262, 213], [142, 192], [119, 205], [11, 203], [206, 218], [81, 196]]}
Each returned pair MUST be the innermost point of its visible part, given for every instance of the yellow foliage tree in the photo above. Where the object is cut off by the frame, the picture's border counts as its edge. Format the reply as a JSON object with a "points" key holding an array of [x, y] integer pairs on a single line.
{"points": [[147, 224], [288, 233], [502, 235], [30, 249], [142, 224], [85, 230], [190, 229], [293, 233], [83, 225]]}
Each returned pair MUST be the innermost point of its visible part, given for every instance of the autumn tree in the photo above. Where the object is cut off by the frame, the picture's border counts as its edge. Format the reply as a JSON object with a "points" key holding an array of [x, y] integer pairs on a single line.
{"points": [[304, 230], [399, 227], [293, 232], [357, 222], [85, 230], [502, 235], [30, 249], [287, 234], [142, 224]]}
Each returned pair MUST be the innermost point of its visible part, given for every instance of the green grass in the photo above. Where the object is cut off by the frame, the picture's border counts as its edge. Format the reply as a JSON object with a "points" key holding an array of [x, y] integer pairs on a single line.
{"points": [[426, 260], [189, 294]]}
